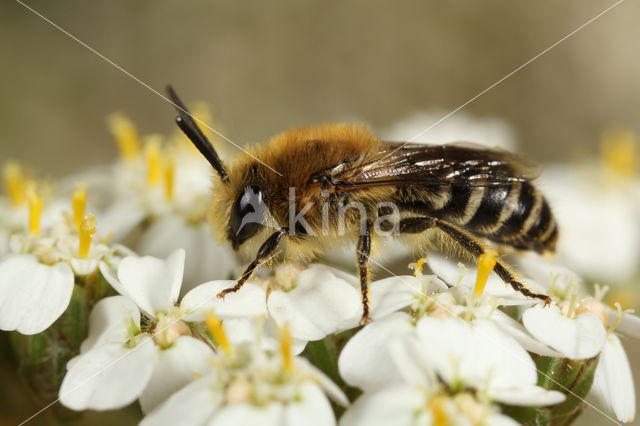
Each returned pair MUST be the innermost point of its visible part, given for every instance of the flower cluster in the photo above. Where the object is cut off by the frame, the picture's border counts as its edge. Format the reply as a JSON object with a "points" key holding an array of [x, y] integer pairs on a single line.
{"points": [[448, 343]]}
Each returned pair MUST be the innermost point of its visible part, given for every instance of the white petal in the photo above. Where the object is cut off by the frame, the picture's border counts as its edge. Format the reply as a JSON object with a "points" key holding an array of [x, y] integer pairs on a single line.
{"points": [[108, 376], [110, 320], [577, 338], [244, 414], [365, 360], [629, 325], [613, 382], [186, 360], [110, 275], [449, 271], [120, 218], [516, 330], [319, 305], [529, 396], [152, 283], [33, 295], [396, 405], [268, 336], [310, 408], [192, 405], [206, 259], [248, 302], [497, 419], [394, 293], [316, 375]]}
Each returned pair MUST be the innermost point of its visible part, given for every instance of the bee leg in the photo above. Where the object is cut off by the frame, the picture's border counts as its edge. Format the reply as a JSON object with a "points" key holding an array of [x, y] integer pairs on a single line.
{"points": [[363, 250], [474, 248], [264, 254]]}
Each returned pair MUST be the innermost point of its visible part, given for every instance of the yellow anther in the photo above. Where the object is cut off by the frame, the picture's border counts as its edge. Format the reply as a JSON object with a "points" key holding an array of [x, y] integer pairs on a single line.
{"points": [[285, 348], [79, 204], [87, 229], [486, 263], [169, 177], [438, 410], [35, 208], [619, 150], [417, 267], [14, 183], [125, 134], [215, 327], [153, 154]]}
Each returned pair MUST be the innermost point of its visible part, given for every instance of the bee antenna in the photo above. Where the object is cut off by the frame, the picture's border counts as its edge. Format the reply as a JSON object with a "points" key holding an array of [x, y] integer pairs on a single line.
{"points": [[188, 125]]}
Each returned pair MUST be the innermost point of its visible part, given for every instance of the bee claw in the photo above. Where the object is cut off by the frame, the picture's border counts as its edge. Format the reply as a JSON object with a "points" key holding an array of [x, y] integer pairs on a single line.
{"points": [[365, 320]]}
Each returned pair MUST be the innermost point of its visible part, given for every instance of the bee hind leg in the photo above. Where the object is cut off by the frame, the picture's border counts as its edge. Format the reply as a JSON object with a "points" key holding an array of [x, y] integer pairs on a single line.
{"points": [[474, 248], [264, 254], [415, 225]]}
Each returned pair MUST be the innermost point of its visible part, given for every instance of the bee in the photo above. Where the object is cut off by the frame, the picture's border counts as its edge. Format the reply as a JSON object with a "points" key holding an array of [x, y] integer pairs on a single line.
{"points": [[310, 187]]}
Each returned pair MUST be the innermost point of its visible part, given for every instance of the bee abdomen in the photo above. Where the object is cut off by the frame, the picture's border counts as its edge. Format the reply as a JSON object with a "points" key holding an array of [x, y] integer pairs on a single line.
{"points": [[515, 214]]}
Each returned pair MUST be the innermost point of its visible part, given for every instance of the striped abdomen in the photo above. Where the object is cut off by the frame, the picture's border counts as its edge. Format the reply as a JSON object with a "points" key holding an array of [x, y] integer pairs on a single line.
{"points": [[515, 214]]}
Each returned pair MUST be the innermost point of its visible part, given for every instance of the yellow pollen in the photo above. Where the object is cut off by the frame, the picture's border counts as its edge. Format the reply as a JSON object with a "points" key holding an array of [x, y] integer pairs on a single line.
{"points": [[417, 267], [285, 348], [35, 208], [125, 134], [619, 150], [438, 409], [14, 183], [153, 155], [79, 203], [215, 327], [87, 229], [486, 263], [169, 175]]}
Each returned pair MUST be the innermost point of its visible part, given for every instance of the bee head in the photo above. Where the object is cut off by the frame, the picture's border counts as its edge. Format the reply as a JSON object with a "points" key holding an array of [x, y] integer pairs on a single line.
{"points": [[247, 215]]}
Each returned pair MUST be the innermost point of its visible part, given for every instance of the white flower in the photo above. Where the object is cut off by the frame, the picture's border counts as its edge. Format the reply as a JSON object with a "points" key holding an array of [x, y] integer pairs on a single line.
{"points": [[37, 278], [613, 381], [319, 300], [579, 337], [404, 405], [33, 295], [248, 385], [480, 356], [171, 357]]}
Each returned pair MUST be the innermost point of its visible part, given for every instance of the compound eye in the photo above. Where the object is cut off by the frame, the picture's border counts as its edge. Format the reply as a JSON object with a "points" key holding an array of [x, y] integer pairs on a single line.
{"points": [[247, 215]]}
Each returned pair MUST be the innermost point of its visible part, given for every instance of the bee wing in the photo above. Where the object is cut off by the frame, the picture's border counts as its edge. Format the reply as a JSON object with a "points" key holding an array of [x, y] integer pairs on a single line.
{"points": [[434, 165]]}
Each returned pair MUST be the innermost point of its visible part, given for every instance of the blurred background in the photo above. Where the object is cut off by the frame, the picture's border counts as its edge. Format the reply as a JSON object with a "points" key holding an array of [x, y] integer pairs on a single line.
{"points": [[268, 66]]}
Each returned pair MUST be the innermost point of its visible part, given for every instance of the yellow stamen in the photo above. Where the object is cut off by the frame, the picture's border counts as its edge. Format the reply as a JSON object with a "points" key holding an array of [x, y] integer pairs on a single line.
{"points": [[619, 150], [285, 348], [215, 327], [169, 175], [14, 183], [439, 411], [417, 267], [486, 262], [79, 204], [87, 229], [125, 134], [35, 208], [153, 153]]}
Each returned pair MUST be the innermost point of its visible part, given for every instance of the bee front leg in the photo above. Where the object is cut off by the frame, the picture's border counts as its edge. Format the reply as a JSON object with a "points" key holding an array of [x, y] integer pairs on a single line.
{"points": [[264, 253], [362, 255]]}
